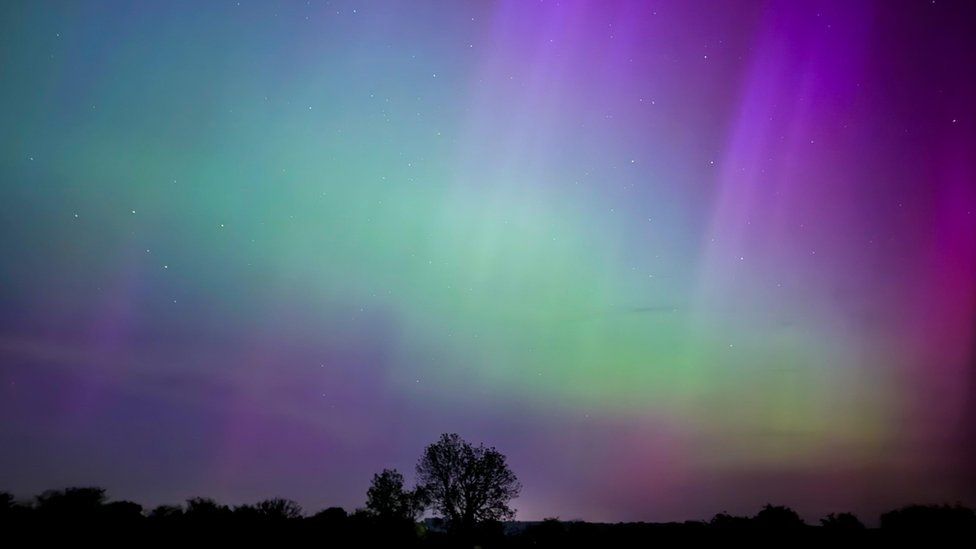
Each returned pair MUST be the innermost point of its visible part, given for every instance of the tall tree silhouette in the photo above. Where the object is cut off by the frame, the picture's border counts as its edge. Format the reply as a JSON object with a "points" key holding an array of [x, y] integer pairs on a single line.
{"points": [[467, 484], [390, 502]]}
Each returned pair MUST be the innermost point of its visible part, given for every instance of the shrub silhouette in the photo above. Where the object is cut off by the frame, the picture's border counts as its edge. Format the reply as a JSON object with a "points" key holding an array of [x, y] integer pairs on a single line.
{"points": [[842, 521], [278, 509], [6, 501], [777, 517], [206, 513], [71, 503], [726, 521], [166, 513], [332, 517], [122, 511], [246, 513], [333, 520]]}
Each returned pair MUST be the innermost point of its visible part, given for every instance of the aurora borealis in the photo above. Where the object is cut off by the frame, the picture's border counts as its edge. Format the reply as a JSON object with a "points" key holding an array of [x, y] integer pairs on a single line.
{"points": [[671, 258]]}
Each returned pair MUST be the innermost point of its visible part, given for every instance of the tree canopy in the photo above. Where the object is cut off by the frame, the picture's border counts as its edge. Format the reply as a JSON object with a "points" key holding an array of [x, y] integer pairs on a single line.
{"points": [[389, 501], [467, 484]]}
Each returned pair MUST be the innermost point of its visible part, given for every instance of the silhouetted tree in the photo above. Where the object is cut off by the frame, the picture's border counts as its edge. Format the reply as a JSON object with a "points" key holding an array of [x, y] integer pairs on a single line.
{"points": [[842, 521], [778, 517], [334, 520], [467, 484], [166, 513], [279, 509], [246, 513], [71, 503], [12, 512], [331, 515], [726, 521], [332, 527], [390, 502], [205, 510], [122, 511]]}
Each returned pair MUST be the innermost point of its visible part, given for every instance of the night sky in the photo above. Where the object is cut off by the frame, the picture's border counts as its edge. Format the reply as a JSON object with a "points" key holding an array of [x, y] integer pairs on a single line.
{"points": [[671, 258]]}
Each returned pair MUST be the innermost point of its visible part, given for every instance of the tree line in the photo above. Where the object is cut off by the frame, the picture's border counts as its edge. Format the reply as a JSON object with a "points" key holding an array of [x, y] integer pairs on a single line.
{"points": [[468, 490]]}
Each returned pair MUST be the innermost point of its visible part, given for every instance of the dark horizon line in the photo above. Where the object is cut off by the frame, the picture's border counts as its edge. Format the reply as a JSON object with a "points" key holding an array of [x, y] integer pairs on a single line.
{"points": [[31, 503]]}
